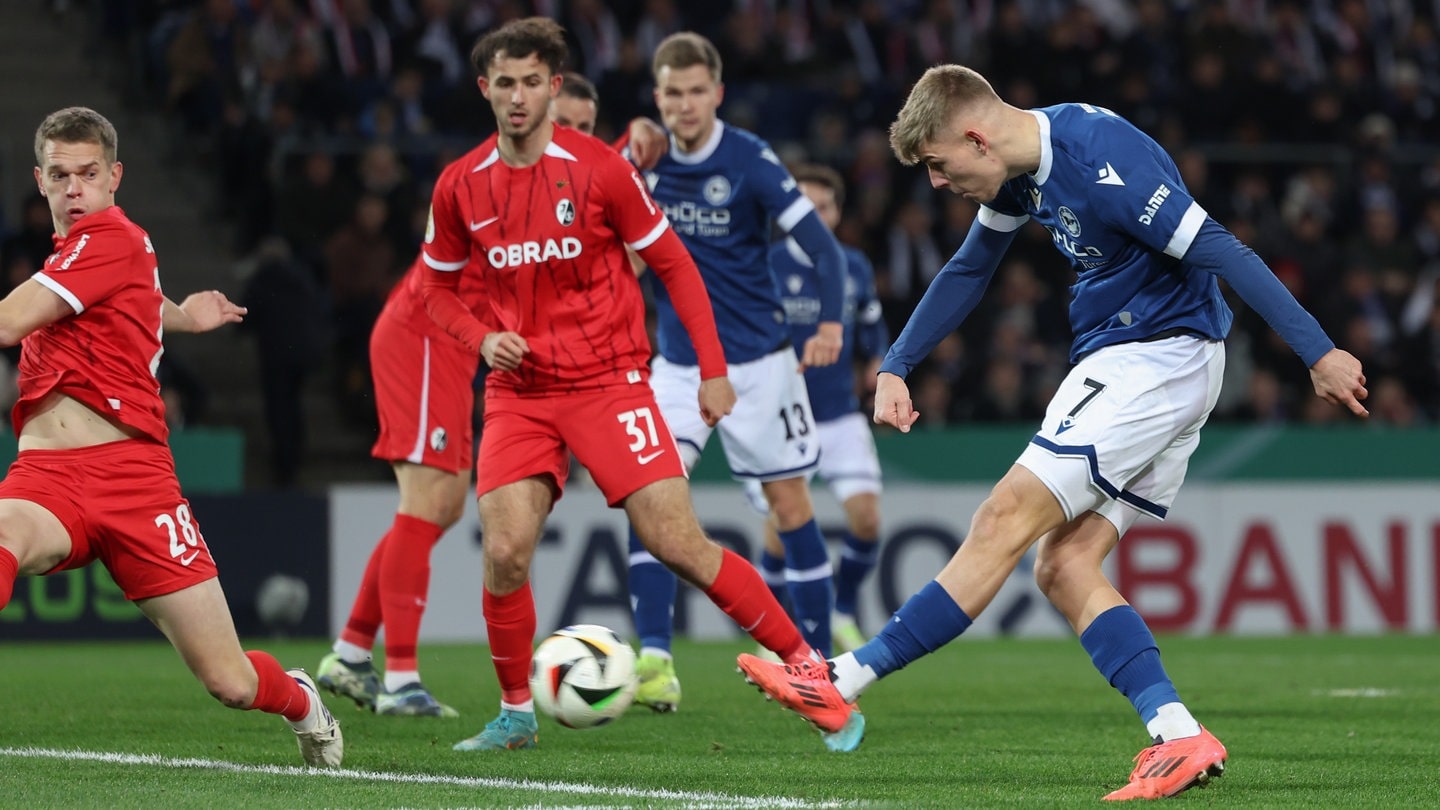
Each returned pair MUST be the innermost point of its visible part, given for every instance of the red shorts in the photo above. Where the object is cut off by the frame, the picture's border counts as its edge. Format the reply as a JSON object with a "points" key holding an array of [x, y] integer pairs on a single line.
{"points": [[617, 434], [121, 504], [424, 395]]}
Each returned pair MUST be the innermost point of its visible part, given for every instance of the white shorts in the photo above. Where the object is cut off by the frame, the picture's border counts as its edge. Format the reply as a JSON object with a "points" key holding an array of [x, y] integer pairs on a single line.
{"points": [[848, 461], [1118, 435], [770, 436]]}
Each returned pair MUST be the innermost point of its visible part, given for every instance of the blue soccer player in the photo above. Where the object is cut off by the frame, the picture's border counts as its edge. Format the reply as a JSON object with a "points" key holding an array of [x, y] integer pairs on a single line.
{"points": [[849, 463], [1149, 352], [723, 190]]}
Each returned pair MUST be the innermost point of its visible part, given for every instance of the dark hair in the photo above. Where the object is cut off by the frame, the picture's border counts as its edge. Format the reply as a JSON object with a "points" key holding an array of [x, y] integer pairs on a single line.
{"points": [[518, 39], [76, 125], [577, 86], [821, 175], [686, 49]]}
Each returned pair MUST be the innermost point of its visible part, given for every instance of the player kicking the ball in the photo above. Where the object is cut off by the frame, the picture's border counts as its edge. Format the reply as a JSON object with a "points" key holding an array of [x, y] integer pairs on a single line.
{"points": [[1149, 323]]}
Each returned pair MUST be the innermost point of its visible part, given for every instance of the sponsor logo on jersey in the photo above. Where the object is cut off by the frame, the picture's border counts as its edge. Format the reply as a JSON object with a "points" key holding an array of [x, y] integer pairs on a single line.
{"points": [[565, 212], [716, 190], [1070, 221], [690, 219], [75, 254], [1152, 205], [794, 283], [523, 253]]}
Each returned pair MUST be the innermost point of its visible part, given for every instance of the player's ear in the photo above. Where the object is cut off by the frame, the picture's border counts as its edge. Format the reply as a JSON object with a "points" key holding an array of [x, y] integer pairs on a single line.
{"points": [[116, 170], [483, 82], [40, 184], [555, 82], [719, 93]]}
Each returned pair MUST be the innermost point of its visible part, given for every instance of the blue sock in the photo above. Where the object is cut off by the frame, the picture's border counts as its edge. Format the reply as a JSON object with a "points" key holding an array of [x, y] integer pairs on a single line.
{"points": [[855, 562], [808, 575], [1125, 653], [772, 570], [652, 597], [926, 622]]}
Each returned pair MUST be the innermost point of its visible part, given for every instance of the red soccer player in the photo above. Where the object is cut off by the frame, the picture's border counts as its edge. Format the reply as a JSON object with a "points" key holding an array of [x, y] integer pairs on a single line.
{"points": [[424, 399], [94, 478], [547, 213]]}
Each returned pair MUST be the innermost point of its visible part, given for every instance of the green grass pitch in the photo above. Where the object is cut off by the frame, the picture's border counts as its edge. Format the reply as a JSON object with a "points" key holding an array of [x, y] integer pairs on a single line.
{"points": [[1309, 721]]}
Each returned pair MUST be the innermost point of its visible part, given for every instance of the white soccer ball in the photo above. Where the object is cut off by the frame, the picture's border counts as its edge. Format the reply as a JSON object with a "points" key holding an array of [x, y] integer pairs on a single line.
{"points": [[583, 676]]}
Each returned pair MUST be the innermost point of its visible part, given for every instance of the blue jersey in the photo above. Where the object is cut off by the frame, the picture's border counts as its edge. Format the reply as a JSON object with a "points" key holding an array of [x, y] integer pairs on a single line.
{"points": [[1117, 210], [832, 387], [723, 200]]}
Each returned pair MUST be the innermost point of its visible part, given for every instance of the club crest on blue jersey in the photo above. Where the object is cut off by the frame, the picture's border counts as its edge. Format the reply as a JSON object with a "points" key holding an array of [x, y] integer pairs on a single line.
{"points": [[717, 190], [1070, 221]]}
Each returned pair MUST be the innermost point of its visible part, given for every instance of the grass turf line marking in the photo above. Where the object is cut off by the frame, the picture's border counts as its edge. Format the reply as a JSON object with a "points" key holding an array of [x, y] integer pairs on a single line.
{"points": [[690, 798]]}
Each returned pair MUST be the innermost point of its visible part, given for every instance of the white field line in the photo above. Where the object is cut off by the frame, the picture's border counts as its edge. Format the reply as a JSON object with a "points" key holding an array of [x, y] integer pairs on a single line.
{"points": [[689, 799]]}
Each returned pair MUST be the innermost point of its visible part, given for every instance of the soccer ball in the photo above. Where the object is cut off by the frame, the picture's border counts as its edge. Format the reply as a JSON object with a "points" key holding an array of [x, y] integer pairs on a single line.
{"points": [[583, 676]]}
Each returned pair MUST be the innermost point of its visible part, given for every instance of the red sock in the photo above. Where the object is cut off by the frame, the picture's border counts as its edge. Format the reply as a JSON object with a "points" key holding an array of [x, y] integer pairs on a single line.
{"points": [[365, 614], [9, 568], [278, 693], [510, 622], [404, 583], [741, 593]]}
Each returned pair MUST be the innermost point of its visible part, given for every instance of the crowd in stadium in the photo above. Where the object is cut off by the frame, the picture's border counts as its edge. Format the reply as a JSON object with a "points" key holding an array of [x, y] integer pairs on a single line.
{"points": [[1308, 127]]}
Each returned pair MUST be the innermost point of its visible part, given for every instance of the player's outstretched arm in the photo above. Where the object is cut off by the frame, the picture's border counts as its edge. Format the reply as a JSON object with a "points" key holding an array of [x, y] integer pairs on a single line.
{"points": [[892, 402], [201, 312], [1339, 380]]}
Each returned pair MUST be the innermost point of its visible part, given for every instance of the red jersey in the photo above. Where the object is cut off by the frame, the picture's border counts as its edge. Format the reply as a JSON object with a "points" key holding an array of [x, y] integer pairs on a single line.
{"points": [[549, 240], [107, 353], [406, 303]]}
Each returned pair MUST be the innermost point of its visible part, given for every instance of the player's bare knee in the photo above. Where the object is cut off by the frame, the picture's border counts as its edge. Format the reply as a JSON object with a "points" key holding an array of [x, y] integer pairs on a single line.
{"points": [[232, 690], [866, 527]]}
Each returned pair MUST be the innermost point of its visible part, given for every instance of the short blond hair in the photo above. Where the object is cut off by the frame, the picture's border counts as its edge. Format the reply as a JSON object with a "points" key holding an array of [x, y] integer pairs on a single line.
{"points": [[687, 49], [77, 125], [942, 92]]}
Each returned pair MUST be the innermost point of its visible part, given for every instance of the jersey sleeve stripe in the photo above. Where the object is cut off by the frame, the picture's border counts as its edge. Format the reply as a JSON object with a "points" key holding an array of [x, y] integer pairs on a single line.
{"points": [[649, 239], [794, 213], [448, 267], [1185, 232], [996, 221], [56, 287]]}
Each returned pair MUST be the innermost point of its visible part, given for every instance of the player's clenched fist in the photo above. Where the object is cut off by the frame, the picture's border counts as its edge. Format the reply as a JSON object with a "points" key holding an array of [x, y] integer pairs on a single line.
{"points": [[503, 351], [717, 398], [892, 402]]}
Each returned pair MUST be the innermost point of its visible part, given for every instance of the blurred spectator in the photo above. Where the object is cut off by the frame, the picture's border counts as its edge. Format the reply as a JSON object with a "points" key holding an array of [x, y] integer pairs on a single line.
{"points": [[205, 60], [311, 205], [361, 265], [288, 319]]}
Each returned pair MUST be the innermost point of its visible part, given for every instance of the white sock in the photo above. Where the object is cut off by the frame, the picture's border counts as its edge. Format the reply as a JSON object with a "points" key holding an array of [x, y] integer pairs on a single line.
{"points": [[396, 678], [655, 651], [527, 706], [850, 677], [1173, 722], [352, 653]]}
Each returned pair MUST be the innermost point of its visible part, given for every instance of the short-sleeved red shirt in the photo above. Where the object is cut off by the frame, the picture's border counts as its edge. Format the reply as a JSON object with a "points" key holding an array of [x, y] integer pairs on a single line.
{"points": [[106, 354], [550, 242]]}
